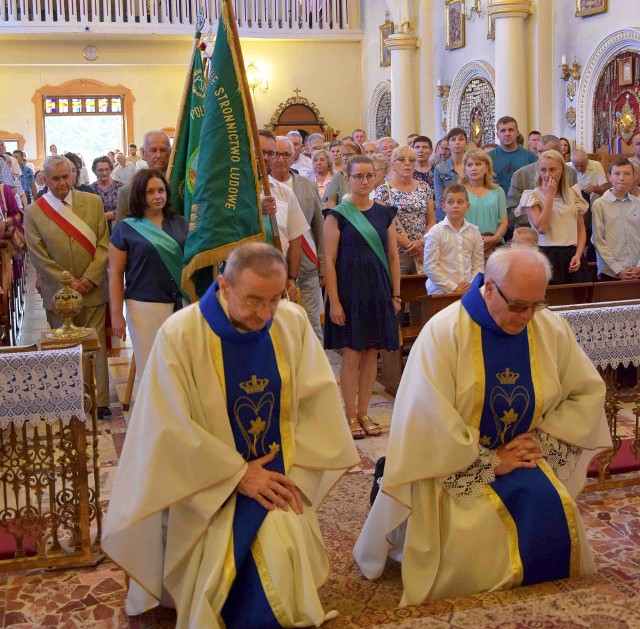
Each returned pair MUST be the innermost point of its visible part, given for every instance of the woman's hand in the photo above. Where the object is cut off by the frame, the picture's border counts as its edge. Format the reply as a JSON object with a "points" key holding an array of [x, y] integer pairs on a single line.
{"points": [[550, 188], [415, 248], [396, 306], [575, 263], [336, 314], [119, 326]]}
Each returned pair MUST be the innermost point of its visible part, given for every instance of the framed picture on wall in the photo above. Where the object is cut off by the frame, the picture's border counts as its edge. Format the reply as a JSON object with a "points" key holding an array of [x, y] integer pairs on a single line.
{"points": [[625, 71], [491, 27], [455, 24], [385, 56], [590, 7]]}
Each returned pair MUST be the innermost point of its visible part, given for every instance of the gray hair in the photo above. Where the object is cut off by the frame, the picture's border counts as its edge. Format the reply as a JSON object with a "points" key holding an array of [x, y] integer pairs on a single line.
{"points": [[256, 256], [554, 139], [312, 138], [384, 139], [295, 134], [525, 256], [403, 151], [283, 138], [148, 134], [635, 162], [55, 160], [579, 154], [327, 154], [380, 159]]}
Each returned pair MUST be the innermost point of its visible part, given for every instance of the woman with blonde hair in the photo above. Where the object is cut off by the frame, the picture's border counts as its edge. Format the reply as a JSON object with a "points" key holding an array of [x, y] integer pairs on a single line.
{"points": [[380, 169], [338, 186], [488, 204], [556, 212]]}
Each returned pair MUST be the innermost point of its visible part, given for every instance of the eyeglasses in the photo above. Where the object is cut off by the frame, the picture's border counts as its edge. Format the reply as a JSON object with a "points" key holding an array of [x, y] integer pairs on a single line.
{"points": [[103, 170], [347, 155], [269, 154], [359, 177], [519, 307], [405, 160], [283, 155], [257, 304]]}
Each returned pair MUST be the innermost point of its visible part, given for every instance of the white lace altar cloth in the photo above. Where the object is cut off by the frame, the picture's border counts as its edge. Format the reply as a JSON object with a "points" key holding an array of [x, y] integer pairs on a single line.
{"points": [[610, 336], [41, 386]]}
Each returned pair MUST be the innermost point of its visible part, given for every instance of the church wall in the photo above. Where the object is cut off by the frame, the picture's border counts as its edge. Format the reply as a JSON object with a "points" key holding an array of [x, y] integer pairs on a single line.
{"points": [[328, 73]]}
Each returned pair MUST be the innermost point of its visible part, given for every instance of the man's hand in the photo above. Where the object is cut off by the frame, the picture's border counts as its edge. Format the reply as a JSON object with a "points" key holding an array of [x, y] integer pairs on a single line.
{"points": [[292, 290], [629, 274], [522, 451], [270, 489], [462, 287], [268, 205]]}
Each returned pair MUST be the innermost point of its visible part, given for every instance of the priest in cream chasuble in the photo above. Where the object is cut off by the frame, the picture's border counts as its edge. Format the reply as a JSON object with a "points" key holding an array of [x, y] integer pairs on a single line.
{"points": [[497, 416], [235, 382]]}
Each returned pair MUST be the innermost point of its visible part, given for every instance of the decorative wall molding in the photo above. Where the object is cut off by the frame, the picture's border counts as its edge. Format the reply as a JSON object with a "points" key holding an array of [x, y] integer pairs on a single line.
{"points": [[607, 49], [379, 91], [469, 71]]}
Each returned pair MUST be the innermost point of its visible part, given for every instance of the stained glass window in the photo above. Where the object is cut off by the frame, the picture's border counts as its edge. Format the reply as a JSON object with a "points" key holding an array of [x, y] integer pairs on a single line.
{"points": [[76, 105], [63, 105], [477, 111], [116, 105], [50, 105], [83, 105], [383, 116], [103, 105], [90, 105]]}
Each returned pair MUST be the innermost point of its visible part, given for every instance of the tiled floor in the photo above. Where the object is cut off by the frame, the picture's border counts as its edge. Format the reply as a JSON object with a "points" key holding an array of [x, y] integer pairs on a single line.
{"points": [[94, 597]]}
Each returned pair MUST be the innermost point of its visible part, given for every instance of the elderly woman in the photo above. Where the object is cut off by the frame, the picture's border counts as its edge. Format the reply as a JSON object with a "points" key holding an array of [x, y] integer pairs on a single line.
{"points": [[322, 173], [381, 167], [106, 187], [414, 200], [386, 146], [338, 186], [335, 148]]}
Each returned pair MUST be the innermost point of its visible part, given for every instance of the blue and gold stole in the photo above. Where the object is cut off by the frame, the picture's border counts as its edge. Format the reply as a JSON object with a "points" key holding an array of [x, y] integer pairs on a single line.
{"points": [[254, 377], [534, 506]]}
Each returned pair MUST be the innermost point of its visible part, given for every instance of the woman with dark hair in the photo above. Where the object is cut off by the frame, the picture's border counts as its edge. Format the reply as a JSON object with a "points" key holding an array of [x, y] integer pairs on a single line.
{"points": [[106, 187], [339, 184], [362, 281], [565, 149], [146, 250]]}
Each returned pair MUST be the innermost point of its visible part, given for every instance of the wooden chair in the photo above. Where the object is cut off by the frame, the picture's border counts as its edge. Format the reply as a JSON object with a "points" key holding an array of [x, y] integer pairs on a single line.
{"points": [[432, 304], [615, 291], [569, 294]]}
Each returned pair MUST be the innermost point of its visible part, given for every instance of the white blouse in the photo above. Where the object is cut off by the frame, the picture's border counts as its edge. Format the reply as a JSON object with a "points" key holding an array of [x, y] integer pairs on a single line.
{"points": [[563, 227]]}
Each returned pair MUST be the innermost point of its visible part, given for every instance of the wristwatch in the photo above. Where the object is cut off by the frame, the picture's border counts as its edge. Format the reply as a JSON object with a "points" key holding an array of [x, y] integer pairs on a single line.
{"points": [[397, 298], [293, 277]]}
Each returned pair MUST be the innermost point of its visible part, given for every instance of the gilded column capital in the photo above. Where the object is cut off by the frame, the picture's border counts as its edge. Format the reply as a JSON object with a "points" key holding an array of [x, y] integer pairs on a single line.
{"points": [[510, 8], [401, 41]]}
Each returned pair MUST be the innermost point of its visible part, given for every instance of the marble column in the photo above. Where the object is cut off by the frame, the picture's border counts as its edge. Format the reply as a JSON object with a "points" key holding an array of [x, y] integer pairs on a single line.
{"points": [[510, 61], [402, 47]]}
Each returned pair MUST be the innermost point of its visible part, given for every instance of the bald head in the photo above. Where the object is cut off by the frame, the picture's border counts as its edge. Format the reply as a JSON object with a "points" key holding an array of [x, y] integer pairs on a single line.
{"points": [[579, 159]]}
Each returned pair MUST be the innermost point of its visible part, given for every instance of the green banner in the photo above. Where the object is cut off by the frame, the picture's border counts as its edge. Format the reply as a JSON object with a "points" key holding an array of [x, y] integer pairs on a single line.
{"points": [[225, 209], [187, 141]]}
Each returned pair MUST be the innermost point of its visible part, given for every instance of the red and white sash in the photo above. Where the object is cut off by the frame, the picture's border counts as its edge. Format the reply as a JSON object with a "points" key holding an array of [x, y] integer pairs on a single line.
{"points": [[309, 248], [71, 224]]}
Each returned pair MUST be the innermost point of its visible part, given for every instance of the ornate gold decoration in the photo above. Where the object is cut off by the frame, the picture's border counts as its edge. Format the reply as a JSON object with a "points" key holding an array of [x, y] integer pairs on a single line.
{"points": [[477, 130], [507, 376], [67, 303], [254, 385], [254, 431], [296, 100], [626, 121], [571, 116], [443, 93], [590, 7], [502, 402], [571, 88]]}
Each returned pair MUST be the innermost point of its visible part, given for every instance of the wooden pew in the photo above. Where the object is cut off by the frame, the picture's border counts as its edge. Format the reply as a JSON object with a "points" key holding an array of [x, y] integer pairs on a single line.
{"points": [[569, 294], [616, 291], [392, 363]]}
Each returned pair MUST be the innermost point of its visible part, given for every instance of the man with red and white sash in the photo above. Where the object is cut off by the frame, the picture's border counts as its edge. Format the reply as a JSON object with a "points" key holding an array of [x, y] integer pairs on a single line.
{"points": [[497, 416], [66, 231]]}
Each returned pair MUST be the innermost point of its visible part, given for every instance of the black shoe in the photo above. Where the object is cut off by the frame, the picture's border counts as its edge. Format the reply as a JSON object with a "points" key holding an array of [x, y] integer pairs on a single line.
{"points": [[104, 411]]}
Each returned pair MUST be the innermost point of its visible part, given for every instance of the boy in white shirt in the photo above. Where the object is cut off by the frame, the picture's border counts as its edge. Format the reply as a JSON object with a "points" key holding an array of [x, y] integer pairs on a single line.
{"points": [[453, 248], [616, 226]]}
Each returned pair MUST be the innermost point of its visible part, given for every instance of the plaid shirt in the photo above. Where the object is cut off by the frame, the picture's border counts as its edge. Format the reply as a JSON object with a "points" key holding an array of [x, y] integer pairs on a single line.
{"points": [[27, 178], [5, 175]]}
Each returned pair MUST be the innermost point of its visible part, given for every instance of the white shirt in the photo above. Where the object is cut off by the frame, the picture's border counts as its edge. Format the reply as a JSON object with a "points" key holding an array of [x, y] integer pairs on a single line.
{"points": [[123, 174], [56, 203], [303, 165], [593, 175], [141, 163], [291, 220], [616, 232], [452, 257]]}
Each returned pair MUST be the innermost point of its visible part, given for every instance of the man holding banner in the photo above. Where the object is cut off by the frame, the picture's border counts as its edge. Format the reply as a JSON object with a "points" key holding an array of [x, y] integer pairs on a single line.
{"points": [[236, 437]]}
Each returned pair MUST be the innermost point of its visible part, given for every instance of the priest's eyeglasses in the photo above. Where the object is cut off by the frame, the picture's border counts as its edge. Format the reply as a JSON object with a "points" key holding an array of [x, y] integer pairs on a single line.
{"points": [[257, 304], [520, 307]]}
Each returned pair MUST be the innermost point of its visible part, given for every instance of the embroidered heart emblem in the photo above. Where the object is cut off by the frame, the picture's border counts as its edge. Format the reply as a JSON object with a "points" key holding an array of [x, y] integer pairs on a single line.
{"points": [[508, 410], [254, 421]]}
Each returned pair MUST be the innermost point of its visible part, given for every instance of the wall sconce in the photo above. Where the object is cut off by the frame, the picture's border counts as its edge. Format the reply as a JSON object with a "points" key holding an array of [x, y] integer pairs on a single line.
{"points": [[443, 93], [476, 8], [255, 80], [567, 71]]}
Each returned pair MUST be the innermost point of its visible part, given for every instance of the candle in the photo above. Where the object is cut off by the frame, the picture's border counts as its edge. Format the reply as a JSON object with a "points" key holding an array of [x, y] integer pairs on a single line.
{"points": [[564, 60], [439, 83]]}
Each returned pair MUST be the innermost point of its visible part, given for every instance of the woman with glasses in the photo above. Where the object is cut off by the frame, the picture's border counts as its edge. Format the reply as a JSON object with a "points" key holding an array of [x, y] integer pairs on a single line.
{"points": [[146, 252], [322, 173], [380, 170], [556, 212], [106, 187], [362, 281], [416, 210], [339, 186]]}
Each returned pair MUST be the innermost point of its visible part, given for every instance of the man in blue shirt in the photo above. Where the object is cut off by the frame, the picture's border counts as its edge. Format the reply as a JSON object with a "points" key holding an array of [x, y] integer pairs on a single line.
{"points": [[27, 178], [509, 157]]}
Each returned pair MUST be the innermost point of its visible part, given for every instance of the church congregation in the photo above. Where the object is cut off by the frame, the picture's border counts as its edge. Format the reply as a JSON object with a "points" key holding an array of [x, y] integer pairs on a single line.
{"points": [[259, 404]]}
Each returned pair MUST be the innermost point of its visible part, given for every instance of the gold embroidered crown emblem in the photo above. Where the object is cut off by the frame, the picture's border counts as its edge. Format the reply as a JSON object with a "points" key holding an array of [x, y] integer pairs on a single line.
{"points": [[507, 376], [254, 385]]}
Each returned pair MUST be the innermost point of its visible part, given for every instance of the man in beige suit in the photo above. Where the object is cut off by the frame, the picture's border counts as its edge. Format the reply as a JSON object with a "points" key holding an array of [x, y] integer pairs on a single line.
{"points": [[66, 231]]}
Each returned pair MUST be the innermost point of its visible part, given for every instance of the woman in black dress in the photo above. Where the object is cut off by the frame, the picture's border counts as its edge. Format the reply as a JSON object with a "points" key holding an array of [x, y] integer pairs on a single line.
{"points": [[362, 280]]}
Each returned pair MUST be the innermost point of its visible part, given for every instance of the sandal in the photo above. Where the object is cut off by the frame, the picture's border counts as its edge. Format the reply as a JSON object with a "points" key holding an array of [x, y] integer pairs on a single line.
{"points": [[358, 432], [371, 428]]}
